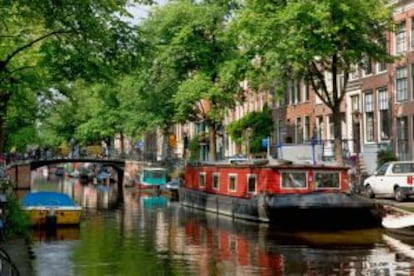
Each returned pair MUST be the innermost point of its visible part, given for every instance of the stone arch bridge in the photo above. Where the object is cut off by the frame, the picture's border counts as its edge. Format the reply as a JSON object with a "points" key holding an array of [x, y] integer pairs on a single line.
{"points": [[20, 172]]}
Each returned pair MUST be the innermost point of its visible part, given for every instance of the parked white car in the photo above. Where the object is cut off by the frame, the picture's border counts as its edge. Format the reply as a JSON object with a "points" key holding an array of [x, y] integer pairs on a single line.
{"points": [[392, 179]]}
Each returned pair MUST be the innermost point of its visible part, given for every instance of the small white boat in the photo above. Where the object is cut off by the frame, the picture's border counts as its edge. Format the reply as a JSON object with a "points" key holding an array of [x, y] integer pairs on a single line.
{"points": [[398, 221]]}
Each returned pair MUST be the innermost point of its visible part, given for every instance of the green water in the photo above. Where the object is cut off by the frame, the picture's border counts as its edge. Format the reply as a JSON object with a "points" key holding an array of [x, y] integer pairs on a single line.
{"points": [[154, 236]]}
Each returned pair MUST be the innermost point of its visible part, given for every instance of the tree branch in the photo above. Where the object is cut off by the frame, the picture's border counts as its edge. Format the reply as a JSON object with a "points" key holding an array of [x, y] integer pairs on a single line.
{"points": [[4, 62], [325, 97]]}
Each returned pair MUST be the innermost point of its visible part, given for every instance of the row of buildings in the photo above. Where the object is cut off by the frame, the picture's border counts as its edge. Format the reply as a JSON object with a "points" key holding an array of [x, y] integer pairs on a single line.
{"points": [[377, 112]]}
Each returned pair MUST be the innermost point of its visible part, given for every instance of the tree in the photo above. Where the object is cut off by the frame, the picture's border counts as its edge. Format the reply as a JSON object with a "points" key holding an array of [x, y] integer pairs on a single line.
{"points": [[259, 122], [306, 39], [193, 52], [46, 42]]}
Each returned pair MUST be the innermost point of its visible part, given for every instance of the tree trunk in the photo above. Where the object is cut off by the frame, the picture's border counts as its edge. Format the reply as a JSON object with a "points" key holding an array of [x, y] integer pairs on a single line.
{"points": [[2, 133], [4, 101], [336, 115], [121, 138], [212, 143]]}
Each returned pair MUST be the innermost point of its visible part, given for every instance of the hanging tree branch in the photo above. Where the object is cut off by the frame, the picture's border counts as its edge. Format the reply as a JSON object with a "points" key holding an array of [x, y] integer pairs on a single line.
{"points": [[3, 63]]}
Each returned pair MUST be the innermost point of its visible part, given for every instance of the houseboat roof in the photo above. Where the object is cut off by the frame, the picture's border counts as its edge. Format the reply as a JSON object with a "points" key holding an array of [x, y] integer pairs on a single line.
{"points": [[282, 163], [154, 169]]}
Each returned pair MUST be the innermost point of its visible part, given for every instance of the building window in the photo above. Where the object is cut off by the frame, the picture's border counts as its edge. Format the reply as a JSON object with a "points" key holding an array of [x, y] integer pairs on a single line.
{"points": [[232, 186], [384, 114], [412, 32], [401, 84], [216, 181], [400, 38], [298, 131], [306, 130], [412, 79], [355, 103], [367, 62], [306, 91], [382, 66], [331, 129], [251, 183], [354, 74], [369, 117], [402, 138], [280, 131], [294, 92], [319, 128]]}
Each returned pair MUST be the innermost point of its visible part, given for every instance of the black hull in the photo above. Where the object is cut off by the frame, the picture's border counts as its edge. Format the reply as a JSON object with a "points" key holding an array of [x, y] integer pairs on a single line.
{"points": [[314, 211], [403, 231]]}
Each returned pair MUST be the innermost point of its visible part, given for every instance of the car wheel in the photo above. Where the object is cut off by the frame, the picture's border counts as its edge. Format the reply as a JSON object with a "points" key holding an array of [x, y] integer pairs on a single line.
{"points": [[369, 192], [399, 195]]}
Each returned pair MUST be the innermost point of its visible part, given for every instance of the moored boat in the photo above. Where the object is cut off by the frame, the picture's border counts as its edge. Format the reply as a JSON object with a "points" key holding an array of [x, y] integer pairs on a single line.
{"points": [[152, 178], [398, 221], [288, 195], [51, 207]]}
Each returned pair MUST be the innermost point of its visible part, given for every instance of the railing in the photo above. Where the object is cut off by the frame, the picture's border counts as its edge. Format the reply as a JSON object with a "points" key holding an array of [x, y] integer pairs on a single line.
{"points": [[7, 267]]}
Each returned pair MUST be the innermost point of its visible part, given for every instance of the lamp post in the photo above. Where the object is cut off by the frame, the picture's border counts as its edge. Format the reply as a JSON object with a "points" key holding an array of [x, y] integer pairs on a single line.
{"points": [[249, 131]]}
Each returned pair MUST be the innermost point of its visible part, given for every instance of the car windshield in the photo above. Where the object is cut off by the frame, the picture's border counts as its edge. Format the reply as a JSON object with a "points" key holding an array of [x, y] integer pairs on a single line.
{"points": [[383, 169], [174, 182]]}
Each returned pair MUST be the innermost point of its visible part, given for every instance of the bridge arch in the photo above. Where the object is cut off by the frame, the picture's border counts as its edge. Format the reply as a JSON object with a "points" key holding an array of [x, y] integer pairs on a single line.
{"points": [[20, 173]]}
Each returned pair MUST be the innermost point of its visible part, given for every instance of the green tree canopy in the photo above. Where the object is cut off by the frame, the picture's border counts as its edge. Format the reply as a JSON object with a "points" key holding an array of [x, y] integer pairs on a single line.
{"points": [[305, 39], [44, 43], [261, 126], [193, 62]]}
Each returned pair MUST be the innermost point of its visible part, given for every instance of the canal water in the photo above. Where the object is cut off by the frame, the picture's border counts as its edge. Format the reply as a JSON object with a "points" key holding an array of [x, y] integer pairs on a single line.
{"points": [[156, 236]]}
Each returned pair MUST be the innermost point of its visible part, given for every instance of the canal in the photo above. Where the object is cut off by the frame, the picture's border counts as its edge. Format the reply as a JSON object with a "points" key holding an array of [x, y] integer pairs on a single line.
{"points": [[156, 236]]}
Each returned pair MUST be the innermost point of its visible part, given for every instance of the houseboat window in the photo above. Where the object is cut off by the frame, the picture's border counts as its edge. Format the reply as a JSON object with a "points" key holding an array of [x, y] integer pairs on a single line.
{"points": [[216, 178], [202, 180], [293, 179], [251, 183], [232, 183], [327, 179]]}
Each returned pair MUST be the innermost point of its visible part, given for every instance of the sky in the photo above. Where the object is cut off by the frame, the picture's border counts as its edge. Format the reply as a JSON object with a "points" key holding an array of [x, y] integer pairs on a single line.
{"points": [[139, 12]]}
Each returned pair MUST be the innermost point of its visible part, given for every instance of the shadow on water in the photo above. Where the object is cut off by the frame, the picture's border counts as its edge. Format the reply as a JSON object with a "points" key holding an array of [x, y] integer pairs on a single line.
{"points": [[299, 253], [269, 233], [61, 233]]}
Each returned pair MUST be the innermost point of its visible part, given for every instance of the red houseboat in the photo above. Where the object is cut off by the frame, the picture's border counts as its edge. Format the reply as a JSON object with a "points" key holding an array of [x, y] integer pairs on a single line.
{"points": [[279, 192]]}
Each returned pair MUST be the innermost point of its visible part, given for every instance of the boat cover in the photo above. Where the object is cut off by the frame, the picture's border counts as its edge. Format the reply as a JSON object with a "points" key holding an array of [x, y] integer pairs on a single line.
{"points": [[47, 199], [398, 222]]}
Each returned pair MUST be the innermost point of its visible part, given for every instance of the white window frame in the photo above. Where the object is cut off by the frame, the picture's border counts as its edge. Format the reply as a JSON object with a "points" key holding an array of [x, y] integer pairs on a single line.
{"points": [[218, 181], [317, 187], [382, 99], [230, 176], [282, 187], [378, 68], [400, 38], [202, 175], [354, 72], [368, 108], [298, 130], [251, 175], [401, 77]]}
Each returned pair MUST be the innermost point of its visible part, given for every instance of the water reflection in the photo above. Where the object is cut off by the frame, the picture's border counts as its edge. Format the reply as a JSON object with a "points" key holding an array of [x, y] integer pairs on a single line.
{"points": [[63, 233], [149, 235]]}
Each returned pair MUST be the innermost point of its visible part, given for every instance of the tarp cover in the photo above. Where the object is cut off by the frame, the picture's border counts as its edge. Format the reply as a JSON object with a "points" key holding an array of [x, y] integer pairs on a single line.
{"points": [[47, 199]]}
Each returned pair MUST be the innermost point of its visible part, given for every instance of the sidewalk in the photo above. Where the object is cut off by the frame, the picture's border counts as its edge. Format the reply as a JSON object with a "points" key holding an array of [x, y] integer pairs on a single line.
{"points": [[19, 254]]}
